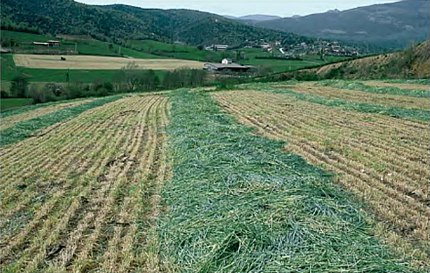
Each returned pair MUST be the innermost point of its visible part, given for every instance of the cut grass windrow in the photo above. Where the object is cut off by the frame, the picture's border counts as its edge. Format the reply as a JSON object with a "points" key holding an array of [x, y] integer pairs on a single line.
{"points": [[94, 177], [397, 112], [30, 127], [423, 92], [381, 160], [237, 203]]}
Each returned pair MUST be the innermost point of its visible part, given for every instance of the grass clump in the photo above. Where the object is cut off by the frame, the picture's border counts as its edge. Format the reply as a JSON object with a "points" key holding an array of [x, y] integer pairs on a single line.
{"points": [[27, 128], [237, 203], [378, 90]]}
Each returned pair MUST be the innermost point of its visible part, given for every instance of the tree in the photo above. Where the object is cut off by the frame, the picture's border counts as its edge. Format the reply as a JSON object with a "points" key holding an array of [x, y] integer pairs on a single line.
{"points": [[19, 86]]}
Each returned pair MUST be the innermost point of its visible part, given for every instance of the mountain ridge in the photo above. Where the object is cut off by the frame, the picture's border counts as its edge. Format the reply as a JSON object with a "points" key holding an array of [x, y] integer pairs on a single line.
{"points": [[393, 25]]}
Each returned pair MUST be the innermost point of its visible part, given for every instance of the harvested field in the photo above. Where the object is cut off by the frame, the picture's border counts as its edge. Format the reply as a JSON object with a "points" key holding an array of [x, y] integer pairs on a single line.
{"points": [[98, 62], [359, 97], [11, 120], [407, 86], [83, 196], [382, 160]]}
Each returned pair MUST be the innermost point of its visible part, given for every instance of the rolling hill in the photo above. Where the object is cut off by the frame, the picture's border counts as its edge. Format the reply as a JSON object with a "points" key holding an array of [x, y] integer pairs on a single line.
{"points": [[390, 26], [122, 22]]}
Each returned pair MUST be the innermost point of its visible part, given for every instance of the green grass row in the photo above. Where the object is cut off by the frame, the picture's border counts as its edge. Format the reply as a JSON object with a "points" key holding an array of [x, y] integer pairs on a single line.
{"points": [[397, 112], [237, 203], [358, 86], [28, 128]]}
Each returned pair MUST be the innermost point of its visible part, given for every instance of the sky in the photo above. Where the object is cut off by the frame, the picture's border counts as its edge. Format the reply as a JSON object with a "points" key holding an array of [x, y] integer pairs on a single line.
{"points": [[284, 8]]}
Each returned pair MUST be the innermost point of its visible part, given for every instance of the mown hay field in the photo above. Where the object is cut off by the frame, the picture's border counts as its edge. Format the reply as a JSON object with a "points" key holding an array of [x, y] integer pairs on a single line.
{"points": [[383, 160], [83, 194], [180, 182], [99, 62]]}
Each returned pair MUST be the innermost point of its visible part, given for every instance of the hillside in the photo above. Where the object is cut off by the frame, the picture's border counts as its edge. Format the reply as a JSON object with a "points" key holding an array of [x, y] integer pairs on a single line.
{"points": [[390, 26], [121, 22], [413, 62]]}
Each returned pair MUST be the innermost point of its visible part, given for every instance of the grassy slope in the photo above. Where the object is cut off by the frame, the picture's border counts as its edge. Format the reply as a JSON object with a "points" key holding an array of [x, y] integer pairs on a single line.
{"points": [[414, 114], [86, 47], [9, 104], [174, 50], [237, 203], [27, 128]]}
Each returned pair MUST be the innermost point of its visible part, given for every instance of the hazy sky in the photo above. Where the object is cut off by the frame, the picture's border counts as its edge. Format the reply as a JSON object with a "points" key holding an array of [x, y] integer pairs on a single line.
{"points": [[283, 8]]}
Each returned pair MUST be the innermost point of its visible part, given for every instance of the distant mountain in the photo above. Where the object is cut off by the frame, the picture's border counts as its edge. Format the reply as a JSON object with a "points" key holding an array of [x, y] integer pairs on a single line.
{"points": [[259, 17], [121, 22], [393, 25]]}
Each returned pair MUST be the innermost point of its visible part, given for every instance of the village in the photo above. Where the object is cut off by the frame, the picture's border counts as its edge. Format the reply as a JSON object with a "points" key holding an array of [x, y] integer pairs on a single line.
{"points": [[330, 48]]}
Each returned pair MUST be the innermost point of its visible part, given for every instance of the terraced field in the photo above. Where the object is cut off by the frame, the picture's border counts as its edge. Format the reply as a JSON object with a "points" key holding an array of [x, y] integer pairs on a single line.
{"points": [[84, 195], [382, 160]]}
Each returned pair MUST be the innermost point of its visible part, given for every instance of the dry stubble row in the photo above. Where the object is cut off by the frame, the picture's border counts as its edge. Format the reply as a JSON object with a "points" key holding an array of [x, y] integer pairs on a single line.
{"points": [[93, 179]]}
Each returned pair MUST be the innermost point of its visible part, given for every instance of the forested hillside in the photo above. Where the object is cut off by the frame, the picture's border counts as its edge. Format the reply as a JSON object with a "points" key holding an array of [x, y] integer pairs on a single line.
{"points": [[121, 22]]}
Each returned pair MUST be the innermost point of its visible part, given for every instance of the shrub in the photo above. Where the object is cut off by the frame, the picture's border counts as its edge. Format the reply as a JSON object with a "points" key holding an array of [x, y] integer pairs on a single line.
{"points": [[4, 94], [19, 86], [40, 95]]}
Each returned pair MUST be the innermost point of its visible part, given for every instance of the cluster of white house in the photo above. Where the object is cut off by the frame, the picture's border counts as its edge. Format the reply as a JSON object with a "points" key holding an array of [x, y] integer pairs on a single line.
{"points": [[226, 65]]}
